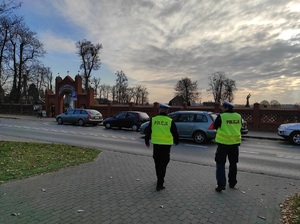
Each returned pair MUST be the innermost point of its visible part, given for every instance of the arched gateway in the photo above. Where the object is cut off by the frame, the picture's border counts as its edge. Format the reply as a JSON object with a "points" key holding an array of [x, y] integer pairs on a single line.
{"points": [[68, 94]]}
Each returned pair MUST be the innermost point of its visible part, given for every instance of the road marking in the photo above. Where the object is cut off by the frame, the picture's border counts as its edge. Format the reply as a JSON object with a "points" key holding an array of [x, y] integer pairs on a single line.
{"points": [[197, 146], [250, 152], [260, 145], [286, 156]]}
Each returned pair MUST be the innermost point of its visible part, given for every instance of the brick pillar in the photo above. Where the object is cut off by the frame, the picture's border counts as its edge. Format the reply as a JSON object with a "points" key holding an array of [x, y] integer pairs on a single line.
{"points": [[156, 108], [217, 108], [109, 109], [256, 116], [131, 106]]}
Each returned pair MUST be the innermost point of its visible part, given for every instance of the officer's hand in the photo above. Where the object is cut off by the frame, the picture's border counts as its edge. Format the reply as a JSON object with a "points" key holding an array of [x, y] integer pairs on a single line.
{"points": [[148, 146]]}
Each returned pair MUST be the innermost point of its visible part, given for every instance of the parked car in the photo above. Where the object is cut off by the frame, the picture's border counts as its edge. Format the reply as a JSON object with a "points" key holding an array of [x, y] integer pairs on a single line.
{"points": [[244, 129], [291, 132], [196, 125], [80, 117], [126, 119]]}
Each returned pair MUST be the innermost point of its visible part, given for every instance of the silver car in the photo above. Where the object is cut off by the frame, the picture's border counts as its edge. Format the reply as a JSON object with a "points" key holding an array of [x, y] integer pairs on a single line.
{"points": [[80, 117], [196, 125], [290, 131]]}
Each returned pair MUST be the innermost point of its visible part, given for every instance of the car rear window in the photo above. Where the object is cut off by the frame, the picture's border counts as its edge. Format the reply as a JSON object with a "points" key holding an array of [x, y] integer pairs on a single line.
{"points": [[144, 116], [213, 116], [94, 112]]}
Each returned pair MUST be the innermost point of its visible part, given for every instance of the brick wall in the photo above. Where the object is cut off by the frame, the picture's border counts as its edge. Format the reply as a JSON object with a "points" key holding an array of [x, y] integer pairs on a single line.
{"points": [[264, 119]]}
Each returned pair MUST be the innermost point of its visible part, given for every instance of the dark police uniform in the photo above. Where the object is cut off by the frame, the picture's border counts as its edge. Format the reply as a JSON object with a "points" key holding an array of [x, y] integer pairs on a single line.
{"points": [[163, 134], [228, 137]]}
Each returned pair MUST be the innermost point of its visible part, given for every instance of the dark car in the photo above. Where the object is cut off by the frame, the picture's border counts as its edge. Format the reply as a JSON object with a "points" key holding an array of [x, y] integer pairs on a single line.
{"points": [[126, 119], [80, 117], [196, 125]]}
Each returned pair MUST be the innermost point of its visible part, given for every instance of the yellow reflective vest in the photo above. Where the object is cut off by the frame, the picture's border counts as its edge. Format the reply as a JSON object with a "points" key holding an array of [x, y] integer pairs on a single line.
{"points": [[230, 131], [161, 130]]}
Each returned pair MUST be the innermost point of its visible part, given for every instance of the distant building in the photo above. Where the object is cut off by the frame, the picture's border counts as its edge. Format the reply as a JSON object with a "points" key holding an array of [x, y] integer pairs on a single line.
{"points": [[209, 104], [176, 101]]}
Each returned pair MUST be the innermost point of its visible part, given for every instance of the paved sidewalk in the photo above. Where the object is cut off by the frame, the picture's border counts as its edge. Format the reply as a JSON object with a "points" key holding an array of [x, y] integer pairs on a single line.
{"points": [[120, 188]]}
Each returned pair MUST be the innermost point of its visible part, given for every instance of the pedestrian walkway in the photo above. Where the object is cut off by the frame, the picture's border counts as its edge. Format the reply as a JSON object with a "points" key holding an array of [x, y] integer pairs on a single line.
{"points": [[120, 188]]}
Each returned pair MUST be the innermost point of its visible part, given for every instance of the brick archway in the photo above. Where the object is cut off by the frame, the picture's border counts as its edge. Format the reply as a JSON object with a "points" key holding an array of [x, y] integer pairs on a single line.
{"points": [[68, 86]]}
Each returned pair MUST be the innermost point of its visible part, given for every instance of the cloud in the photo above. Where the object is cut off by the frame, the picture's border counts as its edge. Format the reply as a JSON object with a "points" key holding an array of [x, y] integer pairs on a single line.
{"points": [[156, 43], [55, 44]]}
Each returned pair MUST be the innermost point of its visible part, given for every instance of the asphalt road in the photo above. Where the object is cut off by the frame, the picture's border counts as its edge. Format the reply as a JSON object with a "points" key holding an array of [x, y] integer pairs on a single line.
{"points": [[264, 156]]}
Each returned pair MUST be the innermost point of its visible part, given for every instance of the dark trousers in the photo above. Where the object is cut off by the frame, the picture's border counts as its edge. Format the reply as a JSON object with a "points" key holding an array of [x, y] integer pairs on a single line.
{"points": [[161, 156], [232, 151]]}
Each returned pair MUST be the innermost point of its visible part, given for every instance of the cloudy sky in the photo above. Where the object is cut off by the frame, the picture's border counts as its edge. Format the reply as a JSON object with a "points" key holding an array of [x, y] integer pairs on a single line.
{"points": [[158, 42]]}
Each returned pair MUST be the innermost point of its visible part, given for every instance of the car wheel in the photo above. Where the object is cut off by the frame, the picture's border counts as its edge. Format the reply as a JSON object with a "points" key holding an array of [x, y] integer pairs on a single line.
{"points": [[199, 137], [107, 126], [80, 122], [295, 138], [135, 127], [60, 120]]}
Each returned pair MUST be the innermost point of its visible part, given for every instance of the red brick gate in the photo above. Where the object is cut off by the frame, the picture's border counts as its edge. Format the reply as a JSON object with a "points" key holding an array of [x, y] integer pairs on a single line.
{"points": [[68, 86]]}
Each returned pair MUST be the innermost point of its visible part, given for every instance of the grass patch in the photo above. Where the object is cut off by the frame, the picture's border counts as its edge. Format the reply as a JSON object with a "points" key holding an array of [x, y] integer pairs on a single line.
{"points": [[291, 210], [23, 159]]}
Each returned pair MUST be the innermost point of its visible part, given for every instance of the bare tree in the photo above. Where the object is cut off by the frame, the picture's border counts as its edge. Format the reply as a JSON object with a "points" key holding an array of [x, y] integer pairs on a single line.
{"points": [[121, 87], [187, 89], [221, 87], [275, 104], [24, 49], [264, 103], [7, 21], [107, 91], [49, 79], [96, 84], [140, 95], [144, 95], [90, 60]]}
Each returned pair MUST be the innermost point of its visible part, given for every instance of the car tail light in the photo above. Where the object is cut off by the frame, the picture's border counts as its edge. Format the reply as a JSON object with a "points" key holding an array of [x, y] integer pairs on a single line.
{"points": [[89, 116], [211, 127]]}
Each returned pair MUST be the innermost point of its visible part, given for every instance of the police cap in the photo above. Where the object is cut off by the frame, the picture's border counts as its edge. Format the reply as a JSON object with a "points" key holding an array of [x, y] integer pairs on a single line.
{"points": [[228, 104]]}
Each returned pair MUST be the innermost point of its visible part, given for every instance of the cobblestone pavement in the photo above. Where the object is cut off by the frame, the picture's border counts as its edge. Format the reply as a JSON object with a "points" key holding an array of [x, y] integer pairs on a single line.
{"points": [[120, 188]]}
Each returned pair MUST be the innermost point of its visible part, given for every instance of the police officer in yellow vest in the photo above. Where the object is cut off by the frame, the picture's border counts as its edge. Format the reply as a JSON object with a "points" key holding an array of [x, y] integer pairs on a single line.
{"points": [[163, 133], [228, 126]]}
